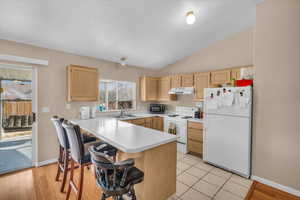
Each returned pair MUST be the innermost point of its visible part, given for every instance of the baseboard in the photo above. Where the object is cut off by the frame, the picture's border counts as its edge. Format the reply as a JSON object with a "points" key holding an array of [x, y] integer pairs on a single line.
{"points": [[46, 162], [277, 185]]}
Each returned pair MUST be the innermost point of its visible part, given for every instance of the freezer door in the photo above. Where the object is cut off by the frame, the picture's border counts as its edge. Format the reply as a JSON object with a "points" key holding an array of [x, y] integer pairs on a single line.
{"points": [[230, 102], [227, 142]]}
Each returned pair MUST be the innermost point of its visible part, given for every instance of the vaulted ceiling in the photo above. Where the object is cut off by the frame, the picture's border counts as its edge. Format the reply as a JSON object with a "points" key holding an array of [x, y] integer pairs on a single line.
{"points": [[149, 33]]}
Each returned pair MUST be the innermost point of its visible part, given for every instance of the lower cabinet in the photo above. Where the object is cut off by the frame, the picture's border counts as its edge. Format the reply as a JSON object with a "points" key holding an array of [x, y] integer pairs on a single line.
{"points": [[158, 123], [195, 137], [149, 122], [139, 122]]}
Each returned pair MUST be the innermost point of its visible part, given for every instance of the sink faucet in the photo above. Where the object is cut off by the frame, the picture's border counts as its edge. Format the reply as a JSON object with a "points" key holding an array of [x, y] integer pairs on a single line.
{"points": [[122, 113]]}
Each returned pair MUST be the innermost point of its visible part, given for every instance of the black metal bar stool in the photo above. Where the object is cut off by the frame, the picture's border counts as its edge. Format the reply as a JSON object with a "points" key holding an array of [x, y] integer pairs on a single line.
{"points": [[64, 153], [115, 178], [81, 157]]}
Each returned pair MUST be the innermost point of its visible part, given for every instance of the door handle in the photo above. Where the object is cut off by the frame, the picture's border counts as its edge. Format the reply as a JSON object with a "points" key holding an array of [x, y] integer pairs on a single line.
{"points": [[33, 117]]}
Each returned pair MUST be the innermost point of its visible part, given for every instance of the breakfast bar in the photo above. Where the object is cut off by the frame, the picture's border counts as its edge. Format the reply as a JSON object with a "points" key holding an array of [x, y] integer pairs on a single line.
{"points": [[154, 153]]}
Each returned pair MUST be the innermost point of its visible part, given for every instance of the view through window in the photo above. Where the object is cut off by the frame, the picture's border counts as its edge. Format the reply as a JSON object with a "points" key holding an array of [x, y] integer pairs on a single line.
{"points": [[117, 95]]}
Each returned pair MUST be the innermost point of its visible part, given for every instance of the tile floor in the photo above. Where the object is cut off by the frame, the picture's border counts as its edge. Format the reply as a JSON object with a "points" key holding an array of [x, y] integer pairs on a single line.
{"points": [[197, 180]]}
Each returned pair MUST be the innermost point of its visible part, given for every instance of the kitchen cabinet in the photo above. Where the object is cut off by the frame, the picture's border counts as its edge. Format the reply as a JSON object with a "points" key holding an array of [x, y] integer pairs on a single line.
{"points": [[164, 85], [149, 88], [235, 73], [201, 81], [187, 80], [195, 138], [139, 122], [175, 81], [82, 83], [148, 122], [220, 77], [158, 123]]}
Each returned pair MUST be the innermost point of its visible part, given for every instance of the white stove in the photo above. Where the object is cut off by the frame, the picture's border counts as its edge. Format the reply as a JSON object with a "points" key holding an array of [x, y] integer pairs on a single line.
{"points": [[178, 121]]}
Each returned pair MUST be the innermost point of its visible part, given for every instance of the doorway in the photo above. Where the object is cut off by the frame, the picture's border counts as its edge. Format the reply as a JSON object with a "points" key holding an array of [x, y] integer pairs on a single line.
{"points": [[17, 102]]}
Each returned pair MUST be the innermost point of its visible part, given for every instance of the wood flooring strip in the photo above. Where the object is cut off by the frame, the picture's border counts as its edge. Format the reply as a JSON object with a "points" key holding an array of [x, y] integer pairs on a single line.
{"points": [[259, 191]]}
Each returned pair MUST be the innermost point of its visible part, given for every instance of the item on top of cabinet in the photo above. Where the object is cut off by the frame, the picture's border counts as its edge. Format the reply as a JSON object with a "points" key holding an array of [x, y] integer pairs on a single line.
{"points": [[244, 83], [247, 73]]}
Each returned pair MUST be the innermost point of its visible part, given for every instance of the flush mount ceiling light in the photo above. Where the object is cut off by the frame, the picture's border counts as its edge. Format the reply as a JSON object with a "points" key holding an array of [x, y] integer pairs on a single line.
{"points": [[123, 59], [190, 18]]}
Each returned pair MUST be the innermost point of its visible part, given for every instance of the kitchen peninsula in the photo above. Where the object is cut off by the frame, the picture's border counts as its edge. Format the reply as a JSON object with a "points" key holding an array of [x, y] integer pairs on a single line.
{"points": [[154, 153]]}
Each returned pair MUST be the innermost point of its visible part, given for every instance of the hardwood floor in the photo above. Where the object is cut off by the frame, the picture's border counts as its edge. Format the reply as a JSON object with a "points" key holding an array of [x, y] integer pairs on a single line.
{"points": [[259, 191], [39, 184]]}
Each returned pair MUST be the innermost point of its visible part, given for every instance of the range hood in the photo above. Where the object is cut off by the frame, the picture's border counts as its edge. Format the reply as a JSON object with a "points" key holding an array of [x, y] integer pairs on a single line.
{"points": [[182, 90]]}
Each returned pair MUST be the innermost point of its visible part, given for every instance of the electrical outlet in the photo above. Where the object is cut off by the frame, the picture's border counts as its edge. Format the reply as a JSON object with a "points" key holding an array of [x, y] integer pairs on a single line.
{"points": [[45, 109]]}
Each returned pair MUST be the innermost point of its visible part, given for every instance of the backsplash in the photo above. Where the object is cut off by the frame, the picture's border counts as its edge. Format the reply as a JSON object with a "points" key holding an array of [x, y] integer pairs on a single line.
{"points": [[182, 100]]}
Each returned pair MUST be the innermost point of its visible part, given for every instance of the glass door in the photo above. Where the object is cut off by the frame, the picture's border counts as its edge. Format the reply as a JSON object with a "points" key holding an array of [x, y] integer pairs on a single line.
{"points": [[16, 119]]}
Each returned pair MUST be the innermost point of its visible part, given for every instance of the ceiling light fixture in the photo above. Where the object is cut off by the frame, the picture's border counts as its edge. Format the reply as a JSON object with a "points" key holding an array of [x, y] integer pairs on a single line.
{"points": [[123, 59], [190, 18]]}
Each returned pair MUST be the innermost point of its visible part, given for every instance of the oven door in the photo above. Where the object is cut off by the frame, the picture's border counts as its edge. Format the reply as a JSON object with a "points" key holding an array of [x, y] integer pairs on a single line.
{"points": [[181, 129]]}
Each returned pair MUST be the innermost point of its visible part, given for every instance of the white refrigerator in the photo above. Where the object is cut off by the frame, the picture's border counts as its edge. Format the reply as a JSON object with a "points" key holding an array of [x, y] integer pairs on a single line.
{"points": [[227, 128]]}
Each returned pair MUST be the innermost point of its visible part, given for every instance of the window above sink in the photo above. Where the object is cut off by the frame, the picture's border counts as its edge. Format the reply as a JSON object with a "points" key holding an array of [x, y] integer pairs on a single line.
{"points": [[116, 95]]}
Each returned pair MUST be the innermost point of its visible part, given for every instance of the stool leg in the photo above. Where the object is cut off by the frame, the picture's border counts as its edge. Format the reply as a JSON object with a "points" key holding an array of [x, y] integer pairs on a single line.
{"points": [[132, 193], [71, 180], [65, 166], [103, 197], [59, 161], [80, 187]]}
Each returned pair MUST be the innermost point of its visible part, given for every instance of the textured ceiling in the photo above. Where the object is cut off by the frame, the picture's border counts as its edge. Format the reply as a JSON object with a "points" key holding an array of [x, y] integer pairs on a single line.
{"points": [[150, 34]]}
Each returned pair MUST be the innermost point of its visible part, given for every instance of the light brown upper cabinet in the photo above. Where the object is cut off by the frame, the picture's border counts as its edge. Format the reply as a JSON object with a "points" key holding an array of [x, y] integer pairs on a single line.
{"points": [[175, 81], [187, 80], [164, 85], [201, 81], [235, 73], [82, 83], [220, 77], [148, 88]]}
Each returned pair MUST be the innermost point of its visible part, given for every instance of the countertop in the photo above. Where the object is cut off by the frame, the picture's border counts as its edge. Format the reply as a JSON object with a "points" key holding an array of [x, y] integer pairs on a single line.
{"points": [[144, 115], [125, 136]]}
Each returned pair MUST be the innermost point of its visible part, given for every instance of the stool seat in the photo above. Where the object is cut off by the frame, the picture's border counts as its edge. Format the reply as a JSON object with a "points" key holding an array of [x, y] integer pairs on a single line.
{"points": [[115, 178], [100, 147], [134, 176]]}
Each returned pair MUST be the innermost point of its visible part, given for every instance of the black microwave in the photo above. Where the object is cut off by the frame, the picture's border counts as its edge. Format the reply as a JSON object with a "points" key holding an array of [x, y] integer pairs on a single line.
{"points": [[157, 108]]}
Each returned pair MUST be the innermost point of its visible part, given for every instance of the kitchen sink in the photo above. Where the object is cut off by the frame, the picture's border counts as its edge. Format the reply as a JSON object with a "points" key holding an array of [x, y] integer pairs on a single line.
{"points": [[125, 116]]}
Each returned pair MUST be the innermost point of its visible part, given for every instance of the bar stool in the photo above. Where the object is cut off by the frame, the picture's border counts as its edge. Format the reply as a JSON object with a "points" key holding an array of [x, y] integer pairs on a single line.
{"points": [[115, 178], [80, 156], [63, 158]]}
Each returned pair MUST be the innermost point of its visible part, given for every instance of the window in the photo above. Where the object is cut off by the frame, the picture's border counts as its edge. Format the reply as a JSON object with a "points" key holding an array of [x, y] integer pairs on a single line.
{"points": [[117, 95]]}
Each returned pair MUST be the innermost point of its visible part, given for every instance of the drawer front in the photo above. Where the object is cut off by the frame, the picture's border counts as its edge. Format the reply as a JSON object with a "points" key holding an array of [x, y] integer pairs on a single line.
{"points": [[195, 134], [138, 121], [195, 125], [196, 147]]}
